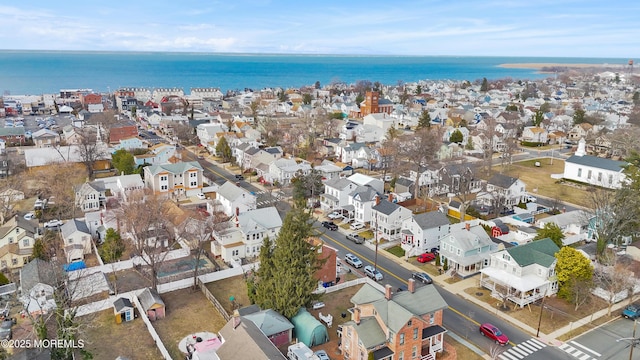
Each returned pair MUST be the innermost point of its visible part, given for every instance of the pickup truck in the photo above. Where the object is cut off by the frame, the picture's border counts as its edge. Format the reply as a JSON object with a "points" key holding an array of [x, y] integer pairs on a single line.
{"points": [[355, 238], [631, 311]]}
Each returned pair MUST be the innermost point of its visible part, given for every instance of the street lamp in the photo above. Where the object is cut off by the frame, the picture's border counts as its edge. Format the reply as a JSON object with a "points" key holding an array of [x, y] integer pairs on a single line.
{"points": [[634, 340]]}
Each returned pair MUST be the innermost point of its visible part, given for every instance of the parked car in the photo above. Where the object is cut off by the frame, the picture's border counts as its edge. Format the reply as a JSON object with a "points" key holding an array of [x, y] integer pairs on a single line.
{"points": [[494, 334], [330, 225], [322, 355], [201, 196], [422, 277], [52, 224], [239, 177], [334, 215], [40, 204], [355, 238], [435, 250], [353, 260], [373, 273], [631, 311], [426, 257], [356, 226], [29, 216]]}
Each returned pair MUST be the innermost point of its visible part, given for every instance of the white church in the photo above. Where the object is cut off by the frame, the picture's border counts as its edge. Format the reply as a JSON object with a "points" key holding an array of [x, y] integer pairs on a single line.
{"points": [[594, 170]]}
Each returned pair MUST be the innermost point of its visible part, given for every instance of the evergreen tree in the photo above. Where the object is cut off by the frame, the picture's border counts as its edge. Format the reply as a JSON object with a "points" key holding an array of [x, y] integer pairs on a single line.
{"points": [[263, 283], [224, 150], [418, 90], [286, 280], [551, 231], [485, 85], [578, 116], [537, 118], [424, 121], [113, 246], [39, 250], [456, 137], [123, 161], [469, 145]]}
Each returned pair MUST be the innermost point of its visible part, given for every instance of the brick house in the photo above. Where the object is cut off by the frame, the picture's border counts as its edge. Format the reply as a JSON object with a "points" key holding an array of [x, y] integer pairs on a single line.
{"points": [[406, 325], [327, 255]]}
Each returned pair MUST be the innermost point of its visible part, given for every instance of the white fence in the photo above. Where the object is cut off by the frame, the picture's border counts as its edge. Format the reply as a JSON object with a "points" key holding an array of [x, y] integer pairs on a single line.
{"points": [[152, 331], [355, 282]]}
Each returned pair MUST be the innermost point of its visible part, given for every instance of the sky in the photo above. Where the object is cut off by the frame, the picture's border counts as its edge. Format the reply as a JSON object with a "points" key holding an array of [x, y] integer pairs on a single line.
{"points": [[558, 28]]}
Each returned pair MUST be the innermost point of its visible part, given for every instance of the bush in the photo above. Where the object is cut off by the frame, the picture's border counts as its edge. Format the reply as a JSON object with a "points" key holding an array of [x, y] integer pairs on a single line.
{"points": [[3, 279], [531, 143]]}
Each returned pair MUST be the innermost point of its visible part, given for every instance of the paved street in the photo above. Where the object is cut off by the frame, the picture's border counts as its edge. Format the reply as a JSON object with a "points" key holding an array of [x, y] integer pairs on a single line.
{"points": [[602, 343]]}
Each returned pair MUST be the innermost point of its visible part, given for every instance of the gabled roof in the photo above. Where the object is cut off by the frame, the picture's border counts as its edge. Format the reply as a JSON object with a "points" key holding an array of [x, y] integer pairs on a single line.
{"points": [[385, 207], [149, 297], [264, 218], [338, 183], [30, 226], [597, 162], [231, 191], [269, 322], [502, 181], [540, 252], [177, 168], [121, 304], [369, 332], [35, 272], [73, 226], [431, 219], [244, 340]]}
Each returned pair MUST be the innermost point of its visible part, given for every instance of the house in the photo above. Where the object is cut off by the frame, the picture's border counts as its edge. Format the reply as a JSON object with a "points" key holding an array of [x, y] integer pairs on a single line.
{"points": [[535, 134], [277, 328], [422, 232], [123, 310], [122, 131], [37, 281], [91, 196], [503, 192], [361, 200], [179, 179], [77, 240], [387, 218], [336, 193], [522, 274], [17, 236], [574, 225], [580, 131], [129, 144], [234, 199], [404, 185], [283, 170], [242, 339], [152, 304], [157, 154], [594, 170], [405, 325], [45, 138], [245, 234], [327, 274], [466, 249]]}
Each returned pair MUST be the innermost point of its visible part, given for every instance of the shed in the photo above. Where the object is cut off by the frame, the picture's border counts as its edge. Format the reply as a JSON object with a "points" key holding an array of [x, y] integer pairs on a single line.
{"points": [[152, 304], [524, 217], [123, 310], [308, 329], [275, 326]]}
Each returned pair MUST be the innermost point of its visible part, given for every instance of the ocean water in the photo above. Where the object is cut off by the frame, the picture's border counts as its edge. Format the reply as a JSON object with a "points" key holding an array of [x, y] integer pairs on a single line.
{"points": [[38, 72]]}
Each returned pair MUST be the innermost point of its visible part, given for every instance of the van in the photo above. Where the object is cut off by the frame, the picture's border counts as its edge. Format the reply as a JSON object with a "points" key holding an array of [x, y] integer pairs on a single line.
{"points": [[299, 351]]}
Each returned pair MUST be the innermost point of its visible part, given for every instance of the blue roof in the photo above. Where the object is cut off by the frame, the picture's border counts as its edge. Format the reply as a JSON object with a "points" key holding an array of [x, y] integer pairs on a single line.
{"points": [[77, 265]]}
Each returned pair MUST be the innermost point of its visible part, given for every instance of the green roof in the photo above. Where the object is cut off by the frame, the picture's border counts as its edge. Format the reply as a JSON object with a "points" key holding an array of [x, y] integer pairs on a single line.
{"points": [[540, 252], [177, 168]]}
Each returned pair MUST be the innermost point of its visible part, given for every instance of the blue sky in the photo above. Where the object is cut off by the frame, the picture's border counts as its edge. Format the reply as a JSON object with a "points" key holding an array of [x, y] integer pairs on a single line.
{"points": [[560, 28]]}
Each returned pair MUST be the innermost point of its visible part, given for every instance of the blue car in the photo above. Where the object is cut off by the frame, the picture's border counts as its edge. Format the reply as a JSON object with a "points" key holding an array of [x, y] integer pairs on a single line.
{"points": [[631, 311]]}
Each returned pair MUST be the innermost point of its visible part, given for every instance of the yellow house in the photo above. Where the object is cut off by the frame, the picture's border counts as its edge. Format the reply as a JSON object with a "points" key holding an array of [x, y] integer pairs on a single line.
{"points": [[17, 236]]}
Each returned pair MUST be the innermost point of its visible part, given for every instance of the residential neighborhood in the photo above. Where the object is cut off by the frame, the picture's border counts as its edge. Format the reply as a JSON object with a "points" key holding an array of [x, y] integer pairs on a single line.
{"points": [[352, 222]]}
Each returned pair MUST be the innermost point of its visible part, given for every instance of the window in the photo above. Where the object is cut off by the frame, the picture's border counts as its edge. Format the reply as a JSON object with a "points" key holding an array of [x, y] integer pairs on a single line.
{"points": [[25, 242], [194, 183], [599, 177], [235, 252], [10, 240], [14, 261], [414, 352], [415, 334], [3, 263], [432, 318], [589, 175], [401, 339], [192, 175], [164, 187], [401, 355], [610, 179], [579, 172]]}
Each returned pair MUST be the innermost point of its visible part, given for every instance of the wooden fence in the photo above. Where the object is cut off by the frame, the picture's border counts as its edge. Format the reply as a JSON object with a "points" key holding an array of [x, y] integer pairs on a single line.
{"points": [[214, 301]]}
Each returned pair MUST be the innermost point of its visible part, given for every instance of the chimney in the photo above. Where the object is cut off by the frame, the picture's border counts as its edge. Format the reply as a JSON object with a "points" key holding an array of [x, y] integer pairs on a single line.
{"points": [[467, 226], [356, 316], [377, 200], [390, 197], [237, 217], [236, 322], [387, 292], [412, 286]]}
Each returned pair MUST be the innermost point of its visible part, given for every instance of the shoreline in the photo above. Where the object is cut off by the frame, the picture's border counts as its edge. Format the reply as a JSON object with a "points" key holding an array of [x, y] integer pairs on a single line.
{"points": [[540, 66]]}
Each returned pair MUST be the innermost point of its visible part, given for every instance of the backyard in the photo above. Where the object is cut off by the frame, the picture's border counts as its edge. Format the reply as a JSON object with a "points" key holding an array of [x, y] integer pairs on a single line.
{"points": [[107, 340], [187, 311], [539, 178], [224, 289]]}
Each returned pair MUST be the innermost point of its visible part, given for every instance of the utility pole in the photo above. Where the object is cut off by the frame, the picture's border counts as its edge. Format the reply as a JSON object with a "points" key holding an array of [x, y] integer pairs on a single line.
{"points": [[633, 339], [375, 261], [541, 308]]}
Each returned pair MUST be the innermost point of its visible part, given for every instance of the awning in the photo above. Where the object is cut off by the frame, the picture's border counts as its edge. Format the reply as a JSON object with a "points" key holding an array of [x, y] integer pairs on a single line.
{"points": [[522, 283]]}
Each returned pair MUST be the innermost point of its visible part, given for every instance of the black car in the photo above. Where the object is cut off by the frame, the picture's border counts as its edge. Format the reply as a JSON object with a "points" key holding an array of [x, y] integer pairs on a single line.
{"points": [[329, 225], [422, 277], [239, 177]]}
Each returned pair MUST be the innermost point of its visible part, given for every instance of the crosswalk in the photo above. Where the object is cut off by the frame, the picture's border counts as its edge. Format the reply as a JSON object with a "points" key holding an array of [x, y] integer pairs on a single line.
{"points": [[522, 350], [578, 351]]}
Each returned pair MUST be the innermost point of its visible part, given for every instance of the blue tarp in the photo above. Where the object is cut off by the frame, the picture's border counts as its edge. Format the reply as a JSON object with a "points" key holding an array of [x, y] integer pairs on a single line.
{"points": [[77, 265]]}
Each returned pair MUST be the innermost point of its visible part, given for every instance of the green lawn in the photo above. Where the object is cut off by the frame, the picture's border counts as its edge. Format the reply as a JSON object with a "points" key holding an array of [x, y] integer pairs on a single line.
{"points": [[396, 250]]}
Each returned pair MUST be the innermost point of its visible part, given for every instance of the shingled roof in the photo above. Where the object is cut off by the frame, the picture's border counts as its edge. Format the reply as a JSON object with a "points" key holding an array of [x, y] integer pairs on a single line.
{"points": [[540, 252]]}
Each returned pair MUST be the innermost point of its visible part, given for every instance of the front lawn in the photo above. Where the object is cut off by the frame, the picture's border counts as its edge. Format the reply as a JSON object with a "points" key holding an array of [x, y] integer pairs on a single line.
{"points": [[396, 250]]}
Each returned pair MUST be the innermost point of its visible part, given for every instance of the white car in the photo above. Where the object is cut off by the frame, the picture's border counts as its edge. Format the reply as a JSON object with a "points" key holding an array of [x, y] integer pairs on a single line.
{"points": [[201, 196], [52, 224], [356, 226], [373, 273], [334, 215], [29, 216]]}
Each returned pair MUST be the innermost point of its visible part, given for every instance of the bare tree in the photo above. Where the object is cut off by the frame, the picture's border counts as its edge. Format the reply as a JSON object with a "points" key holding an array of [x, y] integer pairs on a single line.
{"points": [[196, 231], [615, 281], [145, 221], [57, 182], [185, 133], [419, 150], [10, 187], [90, 149], [581, 292]]}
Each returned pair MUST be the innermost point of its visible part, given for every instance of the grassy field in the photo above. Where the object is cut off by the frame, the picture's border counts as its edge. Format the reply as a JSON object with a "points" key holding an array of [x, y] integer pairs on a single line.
{"points": [[225, 288], [107, 340], [539, 181]]}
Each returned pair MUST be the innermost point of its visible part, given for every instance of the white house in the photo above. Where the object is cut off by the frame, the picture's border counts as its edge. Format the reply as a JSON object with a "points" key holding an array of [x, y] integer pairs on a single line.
{"points": [[77, 240], [535, 134], [235, 199], [503, 192], [466, 249], [336, 193], [422, 232], [522, 274], [594, 170], [574, 225], [283, 170], [245, 234], [387, 218]]}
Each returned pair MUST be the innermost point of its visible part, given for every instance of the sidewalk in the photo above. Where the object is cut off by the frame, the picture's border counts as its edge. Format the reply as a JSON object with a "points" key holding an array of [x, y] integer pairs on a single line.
{"points": [[459, 288]]}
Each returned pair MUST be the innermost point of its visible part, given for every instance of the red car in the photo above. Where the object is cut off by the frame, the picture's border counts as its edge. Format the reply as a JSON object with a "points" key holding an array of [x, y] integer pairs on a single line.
{"points": [[426, 257], [494, 334]]}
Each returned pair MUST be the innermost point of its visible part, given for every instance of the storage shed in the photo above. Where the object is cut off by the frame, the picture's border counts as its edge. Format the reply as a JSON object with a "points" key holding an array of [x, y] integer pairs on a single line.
{"points": [[308, 329], [152, 304], [123, 310]]}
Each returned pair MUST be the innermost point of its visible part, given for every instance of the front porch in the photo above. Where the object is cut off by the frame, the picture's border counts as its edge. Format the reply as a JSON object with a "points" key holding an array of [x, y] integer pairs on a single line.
{"points": [[521, 292], [432, 342]]}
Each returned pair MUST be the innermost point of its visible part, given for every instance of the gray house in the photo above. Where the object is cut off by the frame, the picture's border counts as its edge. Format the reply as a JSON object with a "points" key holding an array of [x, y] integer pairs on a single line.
{"points": [[467, 249]]}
